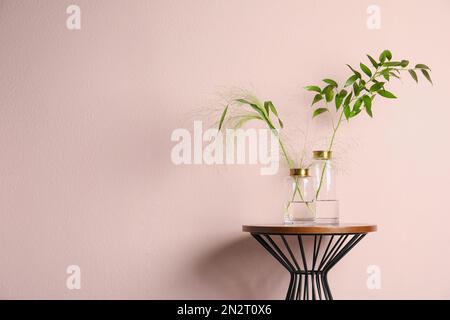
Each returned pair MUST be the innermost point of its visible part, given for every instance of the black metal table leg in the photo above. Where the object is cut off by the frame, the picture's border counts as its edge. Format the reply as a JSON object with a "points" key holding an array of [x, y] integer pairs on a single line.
{"points": [[308, 279]]}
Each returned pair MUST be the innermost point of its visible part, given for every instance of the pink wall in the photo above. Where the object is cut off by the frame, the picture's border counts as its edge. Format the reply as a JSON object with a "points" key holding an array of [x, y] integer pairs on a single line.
{"points": [[85, 124]]}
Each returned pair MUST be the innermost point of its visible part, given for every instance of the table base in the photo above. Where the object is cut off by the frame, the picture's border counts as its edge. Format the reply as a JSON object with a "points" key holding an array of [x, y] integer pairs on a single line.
{"points": [[309, 279]]}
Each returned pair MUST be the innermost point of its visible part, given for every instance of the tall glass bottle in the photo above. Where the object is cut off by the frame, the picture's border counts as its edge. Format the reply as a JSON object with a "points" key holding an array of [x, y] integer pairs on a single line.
{"points": [[327, 205], [300, 203]]}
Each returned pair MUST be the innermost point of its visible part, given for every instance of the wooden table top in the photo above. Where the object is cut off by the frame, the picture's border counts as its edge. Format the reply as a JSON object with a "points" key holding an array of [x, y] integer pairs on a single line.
{"points": [[340, 228]]}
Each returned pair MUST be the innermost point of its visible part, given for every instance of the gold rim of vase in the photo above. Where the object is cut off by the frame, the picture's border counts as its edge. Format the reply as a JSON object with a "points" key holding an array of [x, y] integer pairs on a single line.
{"points": [[322, 155], [299, 172]]}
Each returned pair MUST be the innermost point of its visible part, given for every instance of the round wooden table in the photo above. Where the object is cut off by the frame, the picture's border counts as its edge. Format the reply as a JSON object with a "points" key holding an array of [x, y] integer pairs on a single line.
{"points": [[309, 269]]}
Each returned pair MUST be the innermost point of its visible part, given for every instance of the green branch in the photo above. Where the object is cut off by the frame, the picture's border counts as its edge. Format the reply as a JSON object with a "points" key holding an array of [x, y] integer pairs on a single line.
{"points": [[362, 90]]}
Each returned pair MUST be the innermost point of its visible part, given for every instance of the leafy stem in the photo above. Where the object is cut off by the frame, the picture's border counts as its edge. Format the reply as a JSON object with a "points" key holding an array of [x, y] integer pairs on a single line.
{"points": [[360, 89], [262, 112]]}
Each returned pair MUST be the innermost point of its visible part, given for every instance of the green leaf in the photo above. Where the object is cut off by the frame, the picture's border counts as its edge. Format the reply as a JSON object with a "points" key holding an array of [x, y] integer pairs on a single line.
{"points": [[422, 66], [263, 115], [382, 57], [427, 75], [340, 98], [327, 88], [266, 107], [253, 105], [319, 111], [365, 69], [329, 96], [368, 104], [259, 110], [347, 111], [404, 63], [222, 117], [243, 101], [313, 88], [386, 94], [246, 119], [351, 80], [354, 113], [272, 108], [275, 112], [331, 82], [386, 54], [338, 101], [413, 75], [354, 71], [356, 89], [317, 98], [392, 64], [373, 62], [357, 105], [377, 86], [348, 99], [329, 93]]}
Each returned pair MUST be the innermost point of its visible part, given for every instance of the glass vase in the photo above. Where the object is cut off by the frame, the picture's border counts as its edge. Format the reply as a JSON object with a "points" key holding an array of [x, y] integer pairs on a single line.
{"points": [[300, 203], [323, 171]]}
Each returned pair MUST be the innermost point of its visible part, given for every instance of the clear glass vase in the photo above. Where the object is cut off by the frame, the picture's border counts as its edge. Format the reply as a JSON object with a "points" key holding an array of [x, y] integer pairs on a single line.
{"points": [[300, 203], [323, 171]]}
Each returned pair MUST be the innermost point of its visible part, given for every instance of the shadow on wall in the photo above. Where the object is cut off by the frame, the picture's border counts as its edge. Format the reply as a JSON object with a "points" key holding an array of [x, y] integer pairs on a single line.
{"points": [[241, 269]]}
